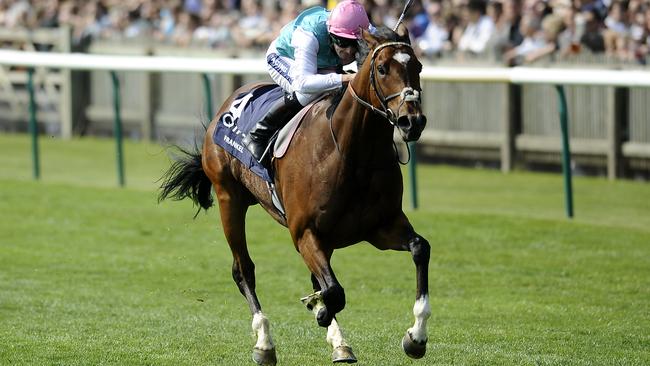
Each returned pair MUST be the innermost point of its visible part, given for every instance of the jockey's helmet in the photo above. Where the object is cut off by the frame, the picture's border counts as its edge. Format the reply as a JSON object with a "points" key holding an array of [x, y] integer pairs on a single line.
{"points": [[347, 19]]}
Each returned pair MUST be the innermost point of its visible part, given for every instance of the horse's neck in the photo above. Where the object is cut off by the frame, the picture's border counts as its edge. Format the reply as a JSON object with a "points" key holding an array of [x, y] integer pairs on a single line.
{"points": [[363, 135]]}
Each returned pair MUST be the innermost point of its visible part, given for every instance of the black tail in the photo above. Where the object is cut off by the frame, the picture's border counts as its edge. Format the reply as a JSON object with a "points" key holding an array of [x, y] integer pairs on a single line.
{"points": [[186, 178]]}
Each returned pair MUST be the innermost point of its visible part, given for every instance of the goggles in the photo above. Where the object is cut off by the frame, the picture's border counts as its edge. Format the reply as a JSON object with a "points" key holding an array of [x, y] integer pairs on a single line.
{"points": [[343, 42]]}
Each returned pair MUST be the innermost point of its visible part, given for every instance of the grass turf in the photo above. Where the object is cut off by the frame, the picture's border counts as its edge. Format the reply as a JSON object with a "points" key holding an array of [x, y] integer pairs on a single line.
{"points": [[92, 274]]}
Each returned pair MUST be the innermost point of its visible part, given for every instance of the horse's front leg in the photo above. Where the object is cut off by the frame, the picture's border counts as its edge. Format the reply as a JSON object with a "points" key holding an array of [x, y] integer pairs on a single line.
{"points": [[415, 339], [341, 350], [329, 298], [401, 236]]}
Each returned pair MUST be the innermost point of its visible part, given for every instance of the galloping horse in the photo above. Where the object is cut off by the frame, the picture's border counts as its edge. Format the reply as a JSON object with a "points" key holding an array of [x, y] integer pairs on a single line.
{"points": [[340, 183]]}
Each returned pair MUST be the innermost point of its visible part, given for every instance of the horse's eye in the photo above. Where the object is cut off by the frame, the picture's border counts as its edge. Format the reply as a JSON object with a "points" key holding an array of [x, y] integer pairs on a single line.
{"points": [[381, 70]]}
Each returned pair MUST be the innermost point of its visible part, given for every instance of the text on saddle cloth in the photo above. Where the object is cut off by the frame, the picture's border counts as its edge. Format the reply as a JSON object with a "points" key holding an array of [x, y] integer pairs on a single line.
{"points": [[245, 111]]}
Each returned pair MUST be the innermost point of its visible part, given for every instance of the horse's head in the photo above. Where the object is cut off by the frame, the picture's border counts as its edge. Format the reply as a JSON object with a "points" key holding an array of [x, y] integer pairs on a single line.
{"points": [[395, 79]]}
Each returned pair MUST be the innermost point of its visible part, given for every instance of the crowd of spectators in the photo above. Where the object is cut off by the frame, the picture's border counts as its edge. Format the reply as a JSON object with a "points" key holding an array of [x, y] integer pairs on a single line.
{"points": [[509, 31]]}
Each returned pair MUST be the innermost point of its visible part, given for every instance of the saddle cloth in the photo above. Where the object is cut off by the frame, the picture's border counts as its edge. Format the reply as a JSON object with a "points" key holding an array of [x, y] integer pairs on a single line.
{"points": [[245, 111]]}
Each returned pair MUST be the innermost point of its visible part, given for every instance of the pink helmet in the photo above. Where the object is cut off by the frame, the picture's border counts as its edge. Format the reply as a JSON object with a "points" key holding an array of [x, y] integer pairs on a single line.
{"points": [[347, 18]]}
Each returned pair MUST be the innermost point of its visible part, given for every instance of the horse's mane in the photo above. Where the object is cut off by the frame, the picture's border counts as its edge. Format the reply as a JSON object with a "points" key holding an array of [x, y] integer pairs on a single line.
{"points": [[383, 34]]}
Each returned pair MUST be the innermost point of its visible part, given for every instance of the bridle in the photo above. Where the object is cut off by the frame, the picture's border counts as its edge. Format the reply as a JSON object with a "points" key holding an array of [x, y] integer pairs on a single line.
{"points": [[407, 94]]}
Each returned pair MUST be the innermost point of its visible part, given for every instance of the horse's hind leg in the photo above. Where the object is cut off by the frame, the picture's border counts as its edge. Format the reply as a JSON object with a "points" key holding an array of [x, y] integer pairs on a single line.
{"points": [[233, 207], [401, 236]]}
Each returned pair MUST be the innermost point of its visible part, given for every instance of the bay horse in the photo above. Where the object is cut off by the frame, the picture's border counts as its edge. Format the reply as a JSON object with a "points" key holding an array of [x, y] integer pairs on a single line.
{"points": [[340, 184]]}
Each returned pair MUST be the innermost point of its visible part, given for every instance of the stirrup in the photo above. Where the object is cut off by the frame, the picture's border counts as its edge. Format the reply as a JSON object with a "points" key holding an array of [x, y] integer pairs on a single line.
{"points": [[254, 147]]}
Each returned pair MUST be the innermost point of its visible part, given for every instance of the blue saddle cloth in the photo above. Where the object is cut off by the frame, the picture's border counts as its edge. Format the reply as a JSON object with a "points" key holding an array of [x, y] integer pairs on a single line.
{"points": [[245, 111]]}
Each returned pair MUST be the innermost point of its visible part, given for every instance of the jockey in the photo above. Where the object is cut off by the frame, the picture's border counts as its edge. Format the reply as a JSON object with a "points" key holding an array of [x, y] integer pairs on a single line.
{"points": [[304, 60]]}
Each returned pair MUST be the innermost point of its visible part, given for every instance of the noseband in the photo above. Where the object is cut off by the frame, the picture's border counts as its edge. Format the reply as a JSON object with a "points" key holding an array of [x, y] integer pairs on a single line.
{"points": [[407, 94]]}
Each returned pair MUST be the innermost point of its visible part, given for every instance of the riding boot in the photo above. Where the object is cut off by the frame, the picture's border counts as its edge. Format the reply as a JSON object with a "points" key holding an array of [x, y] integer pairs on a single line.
{"points": [[275, 118]]}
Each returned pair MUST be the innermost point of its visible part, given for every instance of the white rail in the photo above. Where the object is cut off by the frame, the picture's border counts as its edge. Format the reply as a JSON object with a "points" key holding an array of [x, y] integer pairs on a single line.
{"points": [[252, 66], [530, 75], [81, 61]]}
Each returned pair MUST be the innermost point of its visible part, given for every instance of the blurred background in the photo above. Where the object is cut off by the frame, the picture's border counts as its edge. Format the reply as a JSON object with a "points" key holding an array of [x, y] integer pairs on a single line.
{"points": [[486, 124]]}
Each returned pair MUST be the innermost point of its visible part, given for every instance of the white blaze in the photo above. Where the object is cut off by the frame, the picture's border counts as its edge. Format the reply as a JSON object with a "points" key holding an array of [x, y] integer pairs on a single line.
{"points": [[402, 58]]}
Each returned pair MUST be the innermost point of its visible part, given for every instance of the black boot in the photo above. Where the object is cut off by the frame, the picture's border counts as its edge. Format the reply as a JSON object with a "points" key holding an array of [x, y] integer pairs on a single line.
{"points": [[275, 118]]}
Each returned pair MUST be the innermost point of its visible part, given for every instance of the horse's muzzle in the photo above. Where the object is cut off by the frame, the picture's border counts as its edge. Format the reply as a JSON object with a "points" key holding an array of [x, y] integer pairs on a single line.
{"points": [[411, 126]]}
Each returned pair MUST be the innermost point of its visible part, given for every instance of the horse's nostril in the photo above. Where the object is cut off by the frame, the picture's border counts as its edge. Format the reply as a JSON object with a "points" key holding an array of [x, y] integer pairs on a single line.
{"points": [[404, 122]]}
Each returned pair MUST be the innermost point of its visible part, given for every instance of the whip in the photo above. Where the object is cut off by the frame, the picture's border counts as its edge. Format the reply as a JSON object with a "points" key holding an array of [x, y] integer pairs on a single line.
{"points": [[401, 17]]}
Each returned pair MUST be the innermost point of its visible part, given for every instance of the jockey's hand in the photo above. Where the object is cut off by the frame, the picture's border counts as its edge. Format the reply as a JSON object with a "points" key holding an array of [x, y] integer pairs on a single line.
{"points": [[346, 78]]}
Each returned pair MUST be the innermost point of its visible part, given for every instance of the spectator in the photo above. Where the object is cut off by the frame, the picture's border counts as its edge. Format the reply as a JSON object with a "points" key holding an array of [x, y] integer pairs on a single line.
{"points": [[383, 12], [17, 13], [596, 6], [47, 17], [616, 20], [435, 37], [533, 40], [4, 9], [592, 38], [213, 32], [506, 15], [615, 34], [142, 21], [638, 26], [169, 17], [501, 35], [91, 23], [642, 45], [569, 38], [289, 10], [419, 19], [479, 28], [117, 23], [183, 32], [545, 42], [192, 6], [512, 13], [251, 26]]}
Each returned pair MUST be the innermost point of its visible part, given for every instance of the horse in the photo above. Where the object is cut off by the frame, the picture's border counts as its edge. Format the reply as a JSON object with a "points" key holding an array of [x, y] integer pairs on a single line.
{"points": [[340, 183]]}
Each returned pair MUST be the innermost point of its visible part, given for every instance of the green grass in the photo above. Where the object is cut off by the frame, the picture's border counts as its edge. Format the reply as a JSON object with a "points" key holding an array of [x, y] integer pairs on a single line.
{"points": [[93, 274]]}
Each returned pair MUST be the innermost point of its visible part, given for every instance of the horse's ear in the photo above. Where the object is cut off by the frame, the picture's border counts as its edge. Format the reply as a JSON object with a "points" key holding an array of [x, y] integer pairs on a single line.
{"points": [[369, 38], [403, 33]]}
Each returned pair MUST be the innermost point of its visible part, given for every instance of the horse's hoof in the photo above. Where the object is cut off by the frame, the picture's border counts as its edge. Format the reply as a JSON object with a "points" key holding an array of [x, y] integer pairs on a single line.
{"points": [[264, 357], [343, 354], [413, 348]]}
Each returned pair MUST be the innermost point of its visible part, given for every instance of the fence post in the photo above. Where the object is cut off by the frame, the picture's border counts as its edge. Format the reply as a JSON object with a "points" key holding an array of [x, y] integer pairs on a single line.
{"points": [[618, 117], [118, 128], [208, 96], [566, 151], [512, 108], [66, 102], [33, 126]]}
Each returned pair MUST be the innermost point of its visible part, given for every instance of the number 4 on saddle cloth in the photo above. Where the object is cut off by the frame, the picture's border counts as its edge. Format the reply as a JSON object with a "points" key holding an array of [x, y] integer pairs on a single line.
{"points": [[245, 111]]}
